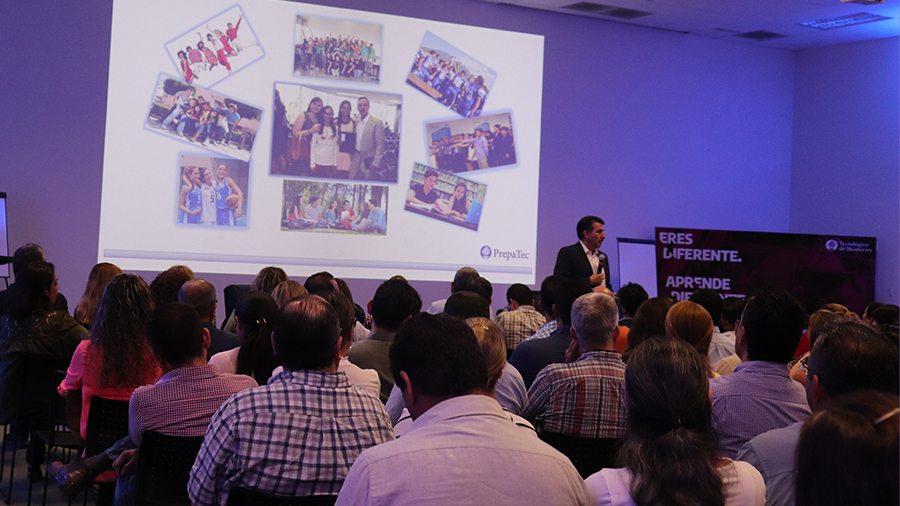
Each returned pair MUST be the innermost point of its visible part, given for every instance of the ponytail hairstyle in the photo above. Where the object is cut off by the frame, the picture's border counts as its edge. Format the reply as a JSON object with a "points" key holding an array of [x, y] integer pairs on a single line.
{"points": [[671, 447], [255, 311]]}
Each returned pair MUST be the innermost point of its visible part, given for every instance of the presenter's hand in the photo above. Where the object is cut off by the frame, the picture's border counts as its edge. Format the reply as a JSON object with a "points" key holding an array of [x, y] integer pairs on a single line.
{"points": [[598, 279]]}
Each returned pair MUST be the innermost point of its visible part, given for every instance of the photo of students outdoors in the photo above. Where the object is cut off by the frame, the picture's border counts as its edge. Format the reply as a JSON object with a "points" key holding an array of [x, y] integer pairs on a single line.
{"points": [[469, 144], [339, 208], [335, 134], [330, 48], [212, 191], [204, 118], [445, 196], [450, 76], [213, 50]]}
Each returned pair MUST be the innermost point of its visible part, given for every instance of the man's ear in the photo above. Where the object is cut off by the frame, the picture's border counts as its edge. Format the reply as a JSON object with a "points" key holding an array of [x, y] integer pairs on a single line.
{"points": [[206, 338], [369, 307]]}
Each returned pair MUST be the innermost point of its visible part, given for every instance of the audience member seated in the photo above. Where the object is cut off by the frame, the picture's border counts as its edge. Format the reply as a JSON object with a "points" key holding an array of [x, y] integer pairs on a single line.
{"points": [[511, 393], [394, 302], [760, 395], [461, 281], [549, 287], [482, 286], [805, 344], [848, 452], [649, 321], [691, 323], [732, 307], [461, 448], [97, 280], [358, 312], [201, 295], [464, 305], [631, 296], [533, 355], [254, 357], [522, 320], [720, 345], [117, 358], [670, 453], [867, 313], [164, 287], [886, 319], [181, 403], [287, 291], [33, 329], [324, 281], [299, 434], [265, 281], [848, 357], [23, 256], [584, 397], [818, 322]]}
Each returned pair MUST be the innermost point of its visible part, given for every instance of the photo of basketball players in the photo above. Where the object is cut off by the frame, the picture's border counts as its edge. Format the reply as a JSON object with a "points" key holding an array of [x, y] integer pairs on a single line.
{"points": [[329, 48], [203, 117], [338, 208], [335, 134], [469, 144], [445, 196], [450, 76], [215, 49], [212, 191]]}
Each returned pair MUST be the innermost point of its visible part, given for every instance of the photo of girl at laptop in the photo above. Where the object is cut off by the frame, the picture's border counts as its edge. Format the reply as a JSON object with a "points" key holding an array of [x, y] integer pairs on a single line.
{"points": [[445, 196]]}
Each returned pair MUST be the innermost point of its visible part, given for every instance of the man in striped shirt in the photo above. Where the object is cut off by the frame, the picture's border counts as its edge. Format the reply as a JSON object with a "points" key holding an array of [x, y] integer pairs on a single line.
{"points": [[585, 397]]}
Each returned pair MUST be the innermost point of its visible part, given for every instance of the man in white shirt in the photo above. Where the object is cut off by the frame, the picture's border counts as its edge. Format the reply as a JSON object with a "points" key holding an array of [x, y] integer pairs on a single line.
{"points": [[584, 260]]}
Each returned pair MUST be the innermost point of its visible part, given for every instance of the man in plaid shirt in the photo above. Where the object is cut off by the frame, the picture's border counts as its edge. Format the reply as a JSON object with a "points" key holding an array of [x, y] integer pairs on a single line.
{"points": [[298, 435], [522, 320], [585, 397]]}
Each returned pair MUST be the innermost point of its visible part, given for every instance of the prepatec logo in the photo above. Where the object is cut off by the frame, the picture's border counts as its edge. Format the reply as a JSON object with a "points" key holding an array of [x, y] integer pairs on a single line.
{"points": [[486, 252]]}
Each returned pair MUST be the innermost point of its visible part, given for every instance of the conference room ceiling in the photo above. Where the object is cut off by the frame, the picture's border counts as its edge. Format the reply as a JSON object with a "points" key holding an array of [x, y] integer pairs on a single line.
{"points": [[773, 23]]}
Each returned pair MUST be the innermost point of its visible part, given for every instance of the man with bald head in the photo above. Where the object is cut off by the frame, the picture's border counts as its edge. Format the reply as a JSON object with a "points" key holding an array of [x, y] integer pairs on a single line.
{"points": [[201, 294], [299, 434]]}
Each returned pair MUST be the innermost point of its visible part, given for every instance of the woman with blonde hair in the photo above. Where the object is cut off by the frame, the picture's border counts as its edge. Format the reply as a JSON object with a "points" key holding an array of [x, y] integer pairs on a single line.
{"points": [[692, 324], [286, 291], [97, 280]]}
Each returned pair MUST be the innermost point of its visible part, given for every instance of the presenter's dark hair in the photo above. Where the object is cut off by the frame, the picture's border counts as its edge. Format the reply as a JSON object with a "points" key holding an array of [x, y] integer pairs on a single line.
{"points": [[848, 452], [30, 293], [851, 356], [26, 254], [585, 224], [306, 333], [441, 356], [319, 282], [465, 305], [255, 311], [773, 323], [268, 278], [670, 420], [429, 173], [175, 333], [711, 302], [631, 296], [521, 294], [393, 303]]}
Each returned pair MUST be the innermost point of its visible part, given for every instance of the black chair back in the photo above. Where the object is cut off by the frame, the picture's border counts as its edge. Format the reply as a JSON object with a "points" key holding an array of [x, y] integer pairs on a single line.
{"points": [[239, 496], [232, 294], [163, 467], [588, 455], [107, 423]]}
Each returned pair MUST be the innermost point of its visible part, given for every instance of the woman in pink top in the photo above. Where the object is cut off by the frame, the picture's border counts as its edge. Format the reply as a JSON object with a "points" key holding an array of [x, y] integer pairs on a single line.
{"points": [[117, 358]]}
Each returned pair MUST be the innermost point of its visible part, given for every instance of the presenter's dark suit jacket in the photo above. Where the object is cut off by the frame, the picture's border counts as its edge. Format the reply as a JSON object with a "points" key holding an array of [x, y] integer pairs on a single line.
{"points": [[572, 263]]}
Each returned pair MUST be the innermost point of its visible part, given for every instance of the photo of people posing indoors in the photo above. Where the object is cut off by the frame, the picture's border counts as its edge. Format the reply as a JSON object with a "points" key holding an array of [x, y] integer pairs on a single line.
{"points": [[450, 76], [330, 48], [335, 134], [469, 144], [445, 196], [204, 117], [336, 208], [212, 191], [215, 49]]}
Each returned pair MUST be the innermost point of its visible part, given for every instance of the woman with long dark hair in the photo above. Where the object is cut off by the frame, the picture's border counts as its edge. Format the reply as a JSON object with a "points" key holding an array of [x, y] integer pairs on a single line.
{"points": [[117, 357], [305, 126], [254, 357], [670, 454], [97, 280], [649, 321], [346, 140]]}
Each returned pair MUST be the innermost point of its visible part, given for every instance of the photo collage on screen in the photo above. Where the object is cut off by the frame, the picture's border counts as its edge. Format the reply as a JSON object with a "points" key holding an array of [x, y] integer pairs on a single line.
{"points": [[335, 136]]}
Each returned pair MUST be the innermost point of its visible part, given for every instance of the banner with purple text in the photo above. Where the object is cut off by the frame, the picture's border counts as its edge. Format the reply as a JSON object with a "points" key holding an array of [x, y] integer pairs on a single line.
{"points": [[829, 267]]}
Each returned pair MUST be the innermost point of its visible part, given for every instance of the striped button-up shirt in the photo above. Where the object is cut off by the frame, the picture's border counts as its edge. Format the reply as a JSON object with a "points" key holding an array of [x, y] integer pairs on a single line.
{"points": [[520, 324]]}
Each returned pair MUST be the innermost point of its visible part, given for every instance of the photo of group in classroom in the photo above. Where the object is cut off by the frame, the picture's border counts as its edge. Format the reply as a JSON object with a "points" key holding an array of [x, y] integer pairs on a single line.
{"points": [[445, 197], [469, 144], [334, 207], [450, 76], [340, 49]]}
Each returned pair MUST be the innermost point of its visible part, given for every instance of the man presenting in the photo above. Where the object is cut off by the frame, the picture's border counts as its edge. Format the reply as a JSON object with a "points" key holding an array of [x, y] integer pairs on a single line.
{"points": [[584, 260], [369, 143]]}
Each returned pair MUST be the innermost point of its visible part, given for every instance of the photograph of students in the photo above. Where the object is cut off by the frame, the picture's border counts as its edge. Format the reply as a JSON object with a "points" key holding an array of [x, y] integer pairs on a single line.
{"points": [[190, 200], [469, 144], [445, 196], [450, 76], [209, 195], [219, 45], [227, 212], [349, 51], [334, 207], [204, 117], [355, 135]]}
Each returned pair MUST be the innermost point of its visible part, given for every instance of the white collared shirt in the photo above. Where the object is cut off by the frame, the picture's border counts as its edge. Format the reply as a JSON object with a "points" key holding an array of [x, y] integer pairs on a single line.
{"points": [[360, 130], [592, 256]]}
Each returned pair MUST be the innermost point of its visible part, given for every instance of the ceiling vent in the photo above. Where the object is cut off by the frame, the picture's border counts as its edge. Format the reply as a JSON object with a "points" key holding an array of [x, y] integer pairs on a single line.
{"points": [[844, 21], [864, 2], [589, 7], [623, 13], [761, 35]]}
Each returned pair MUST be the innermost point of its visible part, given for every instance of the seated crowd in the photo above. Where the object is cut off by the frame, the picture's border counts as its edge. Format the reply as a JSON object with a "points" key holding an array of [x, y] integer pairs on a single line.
{"points": [[583, 397]]}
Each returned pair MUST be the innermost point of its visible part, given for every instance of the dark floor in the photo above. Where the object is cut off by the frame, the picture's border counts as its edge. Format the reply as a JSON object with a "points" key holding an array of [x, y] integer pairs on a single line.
{"points": [[20, 484]]}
